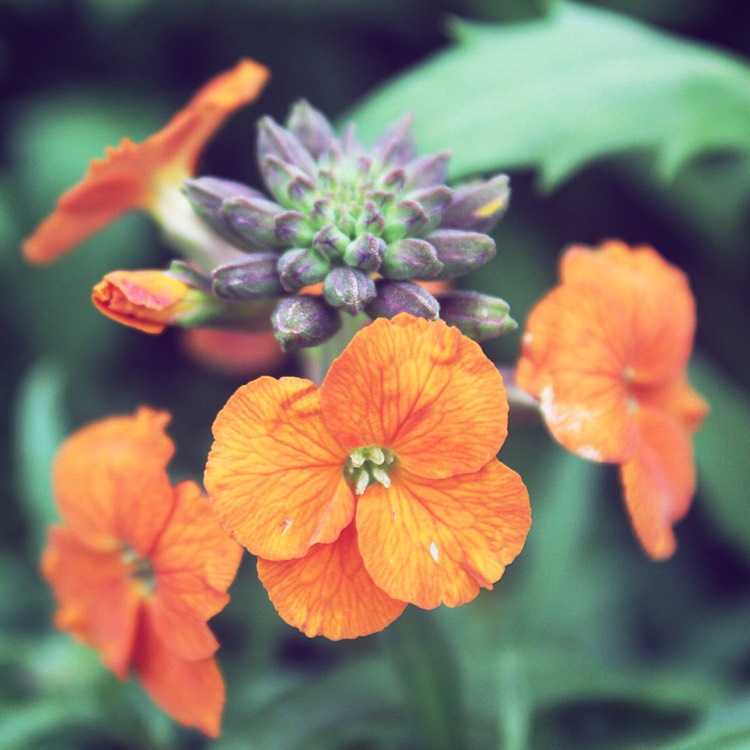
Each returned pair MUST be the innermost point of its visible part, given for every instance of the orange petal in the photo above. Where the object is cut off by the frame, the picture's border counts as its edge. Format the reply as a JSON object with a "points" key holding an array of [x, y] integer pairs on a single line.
{"points": [[328, 592], [110, 481], [421, 389], [576, 348], [194, 563], [678, 399], [147, 300], [191, 692], [654, 294], [659, 481], [131, 175], [275, 472], [97, 603], [431, 542]]}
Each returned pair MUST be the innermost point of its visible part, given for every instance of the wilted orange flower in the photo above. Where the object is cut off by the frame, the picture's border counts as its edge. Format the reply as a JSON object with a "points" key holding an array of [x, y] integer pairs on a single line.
{"points": [[606, 354], [138, 565], [378, 489], [143, 176]]}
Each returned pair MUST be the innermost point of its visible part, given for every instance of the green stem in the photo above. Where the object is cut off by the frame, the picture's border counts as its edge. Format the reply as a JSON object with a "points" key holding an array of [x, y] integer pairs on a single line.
{"points": [[315, 361]]}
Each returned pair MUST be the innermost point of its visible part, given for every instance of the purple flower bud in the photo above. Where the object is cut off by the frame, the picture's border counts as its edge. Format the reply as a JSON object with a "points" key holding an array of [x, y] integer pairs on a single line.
{"points": [[273, 140], [394, 297], [311, 127], [299, 267], [478, 206], [461, 252], [348, 288], [434, 201], [365, 252], [410, 258], [254, 219], [182, 271], [207, 195], [279, 176], [478, 316], [396, 146], [303, 320], [426, 171], [249, 278]]}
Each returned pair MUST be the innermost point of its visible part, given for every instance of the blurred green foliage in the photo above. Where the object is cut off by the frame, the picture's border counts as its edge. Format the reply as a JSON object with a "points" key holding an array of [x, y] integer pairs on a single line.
{"points": [[619, 118]]}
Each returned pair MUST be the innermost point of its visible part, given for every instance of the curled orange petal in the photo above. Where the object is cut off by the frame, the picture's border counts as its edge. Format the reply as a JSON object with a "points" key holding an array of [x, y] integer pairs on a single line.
{"points": [[131, 175], [438, 541], [190, 691], [329, 592], [421, 389], [275, 472]]}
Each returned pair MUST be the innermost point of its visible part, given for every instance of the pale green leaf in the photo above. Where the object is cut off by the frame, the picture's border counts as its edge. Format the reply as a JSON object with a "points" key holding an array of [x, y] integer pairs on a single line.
{"points": [[558, 92]]}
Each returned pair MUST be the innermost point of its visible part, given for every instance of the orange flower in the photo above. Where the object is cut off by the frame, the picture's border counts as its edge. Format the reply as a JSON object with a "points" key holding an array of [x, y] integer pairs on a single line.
{"points": [[378, 489], [139, 565], [606, 354], [147, 175]]}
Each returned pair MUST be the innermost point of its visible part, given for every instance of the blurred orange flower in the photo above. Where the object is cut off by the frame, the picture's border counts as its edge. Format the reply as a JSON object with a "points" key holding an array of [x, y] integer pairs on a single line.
{"points": [[606, 354], [378, 489], [139, 566], [147, 175]]}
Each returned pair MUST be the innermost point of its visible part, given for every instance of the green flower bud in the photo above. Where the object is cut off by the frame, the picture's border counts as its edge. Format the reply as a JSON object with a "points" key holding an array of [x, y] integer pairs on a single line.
{"points": [[394, 297], [291, 228], [371, 220], [303, 320], [250, 278], [348, 288], [330, 241], [410, 258], [396, 146], [299, 267], [478, 316], [286, 182], [461, 252], [434, 201], [405, 219]]}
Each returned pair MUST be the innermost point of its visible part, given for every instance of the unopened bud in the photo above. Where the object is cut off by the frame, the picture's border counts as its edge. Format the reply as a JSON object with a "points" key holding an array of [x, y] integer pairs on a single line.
{"points": [[394, 297], [303, 320], [292, 229], [396, 146], [254, 219], [273, 140], [311, 127], [348, 288], [285, 181], [410, 258], [426, 171], [461, 252], [299, 267], [478, 316], [365, 252], [434, 201], [330, 241], [478, 206], [405, 219], [252, 277]]}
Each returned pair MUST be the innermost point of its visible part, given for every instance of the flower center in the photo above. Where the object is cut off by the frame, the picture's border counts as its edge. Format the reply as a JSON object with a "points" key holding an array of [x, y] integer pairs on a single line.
{"points": [[368, 465], [139, 569]]}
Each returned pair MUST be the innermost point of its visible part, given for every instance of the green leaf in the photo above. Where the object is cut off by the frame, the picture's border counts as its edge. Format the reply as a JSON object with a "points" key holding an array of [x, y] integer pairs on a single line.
{"points": [[561, 91]]}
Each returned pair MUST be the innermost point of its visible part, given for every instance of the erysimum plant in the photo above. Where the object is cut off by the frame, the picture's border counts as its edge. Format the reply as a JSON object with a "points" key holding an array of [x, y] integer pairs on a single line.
{"points": [[371, 482]]}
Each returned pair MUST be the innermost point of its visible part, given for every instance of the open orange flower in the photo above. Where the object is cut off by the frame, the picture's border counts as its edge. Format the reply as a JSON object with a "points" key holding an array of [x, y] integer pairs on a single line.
{"points": [[378, 489], [139, 566], [147, 175], [606, 354]]}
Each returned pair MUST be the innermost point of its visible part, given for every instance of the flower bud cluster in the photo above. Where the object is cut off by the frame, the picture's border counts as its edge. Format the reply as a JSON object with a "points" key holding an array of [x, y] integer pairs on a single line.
{"points": [[346, 229]]}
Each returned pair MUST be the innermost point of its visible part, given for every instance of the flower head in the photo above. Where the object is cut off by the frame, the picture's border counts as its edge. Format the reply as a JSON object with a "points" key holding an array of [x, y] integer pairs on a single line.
{"points": [[148, 175], [139, 566], [378, 489], [606, 353], [365, 224]]}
